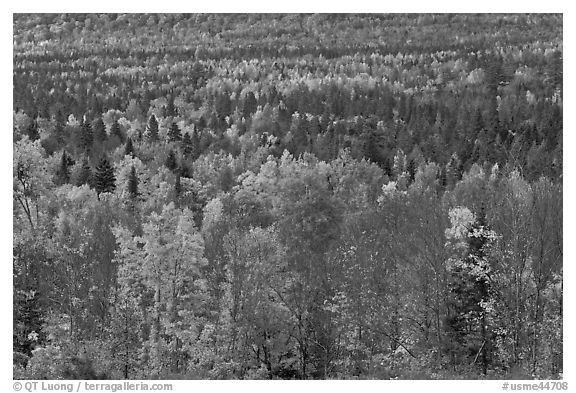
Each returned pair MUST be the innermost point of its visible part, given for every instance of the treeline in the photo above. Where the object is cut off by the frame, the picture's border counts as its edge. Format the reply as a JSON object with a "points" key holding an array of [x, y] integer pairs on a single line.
{"points": [[181, 212]]}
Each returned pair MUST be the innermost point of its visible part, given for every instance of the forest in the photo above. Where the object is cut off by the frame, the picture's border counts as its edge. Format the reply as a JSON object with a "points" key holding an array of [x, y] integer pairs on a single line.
{"points": [[287, 196]]}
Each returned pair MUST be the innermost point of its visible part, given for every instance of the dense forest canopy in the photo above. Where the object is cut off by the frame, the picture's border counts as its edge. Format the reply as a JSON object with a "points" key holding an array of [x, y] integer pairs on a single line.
{"points": [[287, 196]]}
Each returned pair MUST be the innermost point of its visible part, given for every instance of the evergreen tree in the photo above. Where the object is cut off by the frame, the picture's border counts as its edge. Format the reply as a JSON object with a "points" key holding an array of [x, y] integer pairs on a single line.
{"points": [[411, 169], [299, 142], [174, 134], [133, 183], [171, 162], [250, 105], [171, 110], [85, 174], [28, 322], [178, 189], [186, 145], [104, 179], [63, 174], [99, 130], [59, 123], [373, 149], [129, 148], [152, 128], [86, 136], [196, 150]]}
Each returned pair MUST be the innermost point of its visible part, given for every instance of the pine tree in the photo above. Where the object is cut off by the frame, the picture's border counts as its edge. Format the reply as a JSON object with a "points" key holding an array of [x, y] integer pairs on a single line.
{"points": [[115, 130], [373, 149], [104, 179], [85, 174], [152, 128], [171, 162], [174, 134], [28, 321], [129, 148], [196, 151], [133, 183], [64, 172], [59, 123], [250, 105], [186, 145], [171, 110], [178, 189], [86, 136], [411, 169], [99, 130]]}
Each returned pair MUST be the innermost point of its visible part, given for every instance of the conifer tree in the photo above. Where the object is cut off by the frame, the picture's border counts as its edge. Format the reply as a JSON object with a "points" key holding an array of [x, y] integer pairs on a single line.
{"points": [[170, 108], [104, 179], [59, 123], [85, 174], [411, 169], [195, 153], [174, 133], [129, 148], [178, 189], [250, 105], [99, 130], [86, 136], [133, 183], [186, 145], [171, 162], [63, 171], [28, 321], [152, 129]]}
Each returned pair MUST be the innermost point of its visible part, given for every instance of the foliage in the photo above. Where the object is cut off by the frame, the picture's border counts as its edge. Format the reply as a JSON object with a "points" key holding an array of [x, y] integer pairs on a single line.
{"points": [[287, 196]]}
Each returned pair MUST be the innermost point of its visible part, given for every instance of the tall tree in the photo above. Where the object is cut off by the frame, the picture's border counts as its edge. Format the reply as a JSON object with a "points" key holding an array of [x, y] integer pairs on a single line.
{"points": [[174, 134], [99, 129], [104, 178], [186, 145], [85, 173], [152, 129], [86, 136], [129, 148], [171, 162], [250, 105], [63, 173], [133, 183]]}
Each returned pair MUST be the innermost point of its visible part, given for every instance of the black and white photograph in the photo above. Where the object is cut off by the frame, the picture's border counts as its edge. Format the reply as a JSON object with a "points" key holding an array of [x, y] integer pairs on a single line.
{"points": [[290, 196]]}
